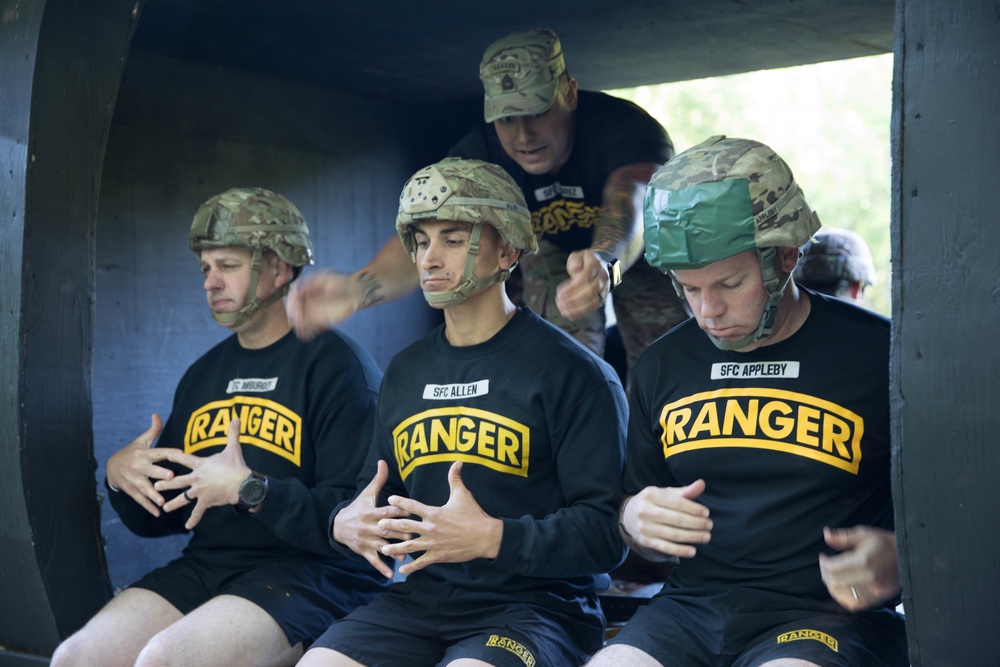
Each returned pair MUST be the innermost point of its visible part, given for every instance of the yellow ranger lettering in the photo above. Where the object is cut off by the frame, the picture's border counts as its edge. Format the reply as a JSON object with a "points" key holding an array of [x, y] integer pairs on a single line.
{"points": [[764, 419], [462, 434], [263, 423], [514, 646], [815, 635]]}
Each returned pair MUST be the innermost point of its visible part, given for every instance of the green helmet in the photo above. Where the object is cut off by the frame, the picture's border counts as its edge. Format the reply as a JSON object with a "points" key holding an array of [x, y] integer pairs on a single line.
{"points": [[257, 219], [465, 191], [718, 199]]}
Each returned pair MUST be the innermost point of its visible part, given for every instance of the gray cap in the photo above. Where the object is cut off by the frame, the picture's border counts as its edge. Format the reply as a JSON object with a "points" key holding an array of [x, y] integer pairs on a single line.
{"points": [[520, 74]]}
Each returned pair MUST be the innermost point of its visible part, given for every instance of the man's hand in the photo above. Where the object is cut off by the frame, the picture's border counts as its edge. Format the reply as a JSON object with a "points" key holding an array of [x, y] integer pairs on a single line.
{"points": [[458, 532], [358, 525], [320, 301], [132, 468], [587, 287], [866, 573], [213, 481], [666, 521]]}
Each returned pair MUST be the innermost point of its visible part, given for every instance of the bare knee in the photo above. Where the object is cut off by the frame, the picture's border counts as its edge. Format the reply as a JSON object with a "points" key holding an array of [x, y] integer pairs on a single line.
{"points": [[159, 651], [84, 649], [617, 655]]}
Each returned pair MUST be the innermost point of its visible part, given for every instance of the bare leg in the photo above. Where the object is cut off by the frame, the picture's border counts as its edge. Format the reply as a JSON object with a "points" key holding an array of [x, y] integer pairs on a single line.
{"points": [[324, 657], [118, 632], [620, 655], [226, 630]]}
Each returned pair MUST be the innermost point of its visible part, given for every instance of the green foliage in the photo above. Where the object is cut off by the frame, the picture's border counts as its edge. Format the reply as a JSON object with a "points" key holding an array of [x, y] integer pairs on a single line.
{"points": [[830, 122]]}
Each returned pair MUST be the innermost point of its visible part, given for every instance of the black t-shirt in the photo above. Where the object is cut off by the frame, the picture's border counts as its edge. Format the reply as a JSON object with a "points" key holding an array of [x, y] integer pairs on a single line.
{"points": [[789, 438], [610, 133], [539, 424], [307, 411]]}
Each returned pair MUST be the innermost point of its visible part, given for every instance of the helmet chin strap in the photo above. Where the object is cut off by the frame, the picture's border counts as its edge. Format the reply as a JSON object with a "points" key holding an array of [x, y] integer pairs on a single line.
{"points": [[470, 282], [775, 289], [252, 304]]}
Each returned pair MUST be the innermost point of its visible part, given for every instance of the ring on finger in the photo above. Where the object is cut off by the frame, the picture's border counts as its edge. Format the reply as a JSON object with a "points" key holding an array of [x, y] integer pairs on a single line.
{"points": [[854, 592], [191, 500]]}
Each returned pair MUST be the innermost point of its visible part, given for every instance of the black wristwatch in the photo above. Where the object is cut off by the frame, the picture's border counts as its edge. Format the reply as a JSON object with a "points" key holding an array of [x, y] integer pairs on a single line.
{"points": [[614, 268], [253, 490]]}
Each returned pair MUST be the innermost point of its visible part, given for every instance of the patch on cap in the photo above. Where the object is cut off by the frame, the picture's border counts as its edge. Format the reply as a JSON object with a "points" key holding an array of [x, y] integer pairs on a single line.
{"points": [[520, 74]]}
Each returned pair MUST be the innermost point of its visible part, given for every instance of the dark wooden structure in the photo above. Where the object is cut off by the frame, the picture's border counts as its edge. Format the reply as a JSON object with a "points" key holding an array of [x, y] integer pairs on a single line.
{"points": [[118, 118]]}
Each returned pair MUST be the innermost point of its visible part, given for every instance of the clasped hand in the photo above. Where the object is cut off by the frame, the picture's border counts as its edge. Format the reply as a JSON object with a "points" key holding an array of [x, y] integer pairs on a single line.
{"points": [[456, 532]]}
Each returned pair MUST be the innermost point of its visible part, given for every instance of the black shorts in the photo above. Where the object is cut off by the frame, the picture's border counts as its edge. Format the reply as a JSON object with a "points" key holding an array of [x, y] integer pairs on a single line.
{"points": [[424, 624], [303, 596], [744, 627]]}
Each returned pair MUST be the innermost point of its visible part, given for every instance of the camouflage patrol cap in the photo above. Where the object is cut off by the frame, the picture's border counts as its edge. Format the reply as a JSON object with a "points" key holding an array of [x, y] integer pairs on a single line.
{"points": [[835, 254], [253, 217], [467, 191], [720, 198], [520, 73]]}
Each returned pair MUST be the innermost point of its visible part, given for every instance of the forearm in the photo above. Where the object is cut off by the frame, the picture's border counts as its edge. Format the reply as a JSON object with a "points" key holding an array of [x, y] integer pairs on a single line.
{"points": [[389, 276], [618, 230]]}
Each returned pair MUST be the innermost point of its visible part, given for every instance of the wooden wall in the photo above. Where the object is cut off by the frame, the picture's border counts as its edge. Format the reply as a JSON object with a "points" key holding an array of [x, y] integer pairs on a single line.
{"points": [[946, 315]]}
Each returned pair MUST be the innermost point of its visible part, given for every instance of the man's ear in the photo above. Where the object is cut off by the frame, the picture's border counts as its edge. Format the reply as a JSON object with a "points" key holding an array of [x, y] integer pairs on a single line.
{"points": [[786, 259], [283, 272], [509, 256], [571, 94]]}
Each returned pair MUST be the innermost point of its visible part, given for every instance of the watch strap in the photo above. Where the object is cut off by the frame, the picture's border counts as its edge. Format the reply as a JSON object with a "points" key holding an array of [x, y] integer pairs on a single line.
{"points": [[252, 493]]}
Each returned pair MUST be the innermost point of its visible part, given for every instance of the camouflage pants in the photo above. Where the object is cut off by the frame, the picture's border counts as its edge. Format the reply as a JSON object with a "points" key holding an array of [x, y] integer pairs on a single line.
{"points": [[645, 304]]}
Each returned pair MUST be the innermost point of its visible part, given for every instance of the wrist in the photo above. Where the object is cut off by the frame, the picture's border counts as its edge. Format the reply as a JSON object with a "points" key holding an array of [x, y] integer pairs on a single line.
{"points": [[494, 538], [253, 490], [625, 535], [612, 265]]}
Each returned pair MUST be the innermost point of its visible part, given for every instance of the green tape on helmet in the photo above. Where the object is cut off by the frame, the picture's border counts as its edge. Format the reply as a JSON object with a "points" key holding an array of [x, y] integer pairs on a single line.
{"points": [[698, 225], [720, 198]]}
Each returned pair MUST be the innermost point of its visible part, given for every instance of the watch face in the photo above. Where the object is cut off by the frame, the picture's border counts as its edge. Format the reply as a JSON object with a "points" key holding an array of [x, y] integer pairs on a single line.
{"points": [[252, 491]]}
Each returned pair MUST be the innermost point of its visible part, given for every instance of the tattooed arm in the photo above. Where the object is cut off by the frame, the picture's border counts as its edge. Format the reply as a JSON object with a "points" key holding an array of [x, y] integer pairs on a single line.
{"points": [[324, 299], [618, 232]]}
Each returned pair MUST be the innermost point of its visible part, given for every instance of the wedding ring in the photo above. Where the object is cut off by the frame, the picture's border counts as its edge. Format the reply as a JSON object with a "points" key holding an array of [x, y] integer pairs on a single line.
{"points": [[854, 592], [191, 500]]}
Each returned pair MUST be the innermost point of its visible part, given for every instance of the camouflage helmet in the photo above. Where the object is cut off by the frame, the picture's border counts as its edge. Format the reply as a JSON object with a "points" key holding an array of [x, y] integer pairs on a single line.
{"points": [[718, 199], [835, 254], [470, 191], [257, 219], [253, 217], [520, 74]]}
